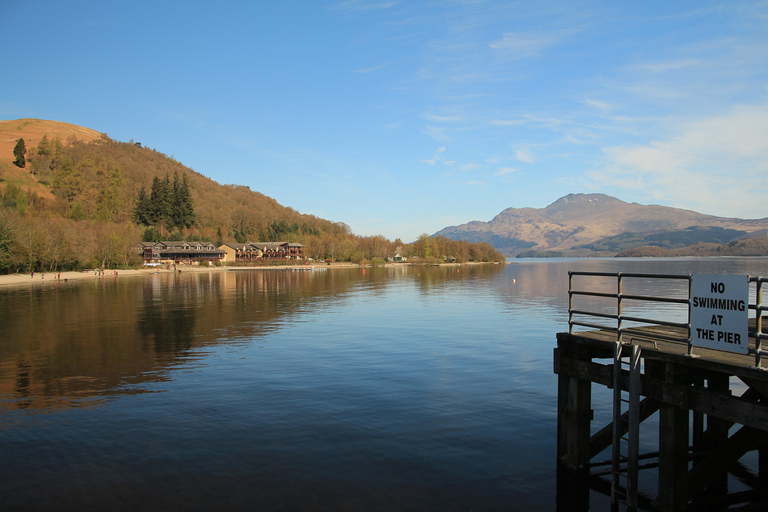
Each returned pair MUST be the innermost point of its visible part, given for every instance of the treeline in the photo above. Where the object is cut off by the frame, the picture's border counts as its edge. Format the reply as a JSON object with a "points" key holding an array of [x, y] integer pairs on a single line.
{"points": [[95, 202], [674, 239], [757, 246], [459, 251], [48, 244]]}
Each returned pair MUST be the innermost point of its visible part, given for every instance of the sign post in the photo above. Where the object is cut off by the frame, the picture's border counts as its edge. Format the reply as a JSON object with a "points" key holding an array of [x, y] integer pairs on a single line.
{"points": [[720, 312]]}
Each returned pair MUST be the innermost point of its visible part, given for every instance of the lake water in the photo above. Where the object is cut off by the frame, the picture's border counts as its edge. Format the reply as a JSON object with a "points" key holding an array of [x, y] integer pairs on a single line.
{"points": [[349, 389]]}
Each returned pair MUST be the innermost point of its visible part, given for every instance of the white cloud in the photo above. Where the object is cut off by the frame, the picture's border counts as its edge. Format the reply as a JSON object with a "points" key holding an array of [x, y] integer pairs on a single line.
{"points": [[475, 182], [506, 170], [716, 165]]}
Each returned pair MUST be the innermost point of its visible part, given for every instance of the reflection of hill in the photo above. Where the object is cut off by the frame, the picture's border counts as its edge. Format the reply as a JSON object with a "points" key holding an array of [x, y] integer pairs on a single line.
{"points": [[72, 342]]}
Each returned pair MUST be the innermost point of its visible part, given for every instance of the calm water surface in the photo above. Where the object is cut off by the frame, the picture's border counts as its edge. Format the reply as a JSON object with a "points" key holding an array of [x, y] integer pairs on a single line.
{"points": [[384, 389]]}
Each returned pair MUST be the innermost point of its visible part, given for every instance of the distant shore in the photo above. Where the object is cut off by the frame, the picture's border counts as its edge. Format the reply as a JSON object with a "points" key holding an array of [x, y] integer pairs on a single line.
{"points": [[56, 277]]}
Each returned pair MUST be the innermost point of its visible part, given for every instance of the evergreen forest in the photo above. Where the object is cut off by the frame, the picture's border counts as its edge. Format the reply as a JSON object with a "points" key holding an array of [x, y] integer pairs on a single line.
{"points": [[89, 205]]}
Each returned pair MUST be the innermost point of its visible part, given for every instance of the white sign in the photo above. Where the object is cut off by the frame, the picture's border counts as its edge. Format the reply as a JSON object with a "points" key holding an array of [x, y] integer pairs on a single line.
{"points": [[720, 312]]}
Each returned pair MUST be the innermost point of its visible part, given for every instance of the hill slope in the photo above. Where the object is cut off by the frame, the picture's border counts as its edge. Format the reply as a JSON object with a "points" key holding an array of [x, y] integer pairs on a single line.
{"points": [[575, 221], [80, 172], [32, 131]]}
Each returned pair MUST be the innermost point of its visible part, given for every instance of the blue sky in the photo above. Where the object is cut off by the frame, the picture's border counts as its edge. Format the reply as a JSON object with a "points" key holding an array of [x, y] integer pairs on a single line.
{"points": [[403, 117]]}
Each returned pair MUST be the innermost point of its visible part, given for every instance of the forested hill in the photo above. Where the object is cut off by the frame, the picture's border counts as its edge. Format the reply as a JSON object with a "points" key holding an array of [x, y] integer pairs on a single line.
{"points": [[71, 197], [100, 178]]}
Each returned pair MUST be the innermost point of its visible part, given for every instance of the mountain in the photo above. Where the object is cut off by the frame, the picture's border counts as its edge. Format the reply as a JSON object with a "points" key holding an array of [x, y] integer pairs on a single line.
{"points": [[583, 224]]}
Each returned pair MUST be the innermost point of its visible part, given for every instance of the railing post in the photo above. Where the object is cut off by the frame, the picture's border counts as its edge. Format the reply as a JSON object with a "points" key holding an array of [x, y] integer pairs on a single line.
{"points": [[570, 301], [758, 321], [690, 334], [619, 308]]}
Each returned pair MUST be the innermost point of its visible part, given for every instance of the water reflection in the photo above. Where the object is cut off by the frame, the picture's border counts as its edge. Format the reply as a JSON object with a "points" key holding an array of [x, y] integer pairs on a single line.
{"points": [[426, 388], [73, 340]]}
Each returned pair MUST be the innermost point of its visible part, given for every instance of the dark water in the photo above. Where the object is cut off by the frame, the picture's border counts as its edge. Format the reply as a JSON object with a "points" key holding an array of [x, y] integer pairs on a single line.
{"points": [[384, 389]]}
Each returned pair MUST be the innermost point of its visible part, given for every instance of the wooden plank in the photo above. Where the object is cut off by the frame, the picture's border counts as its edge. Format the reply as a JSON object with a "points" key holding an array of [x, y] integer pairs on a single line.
{"points": [[586, 370]]}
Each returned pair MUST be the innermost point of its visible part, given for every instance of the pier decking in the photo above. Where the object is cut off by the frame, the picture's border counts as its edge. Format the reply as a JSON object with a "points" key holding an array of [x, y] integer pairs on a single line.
{"points": [[712, 405]]}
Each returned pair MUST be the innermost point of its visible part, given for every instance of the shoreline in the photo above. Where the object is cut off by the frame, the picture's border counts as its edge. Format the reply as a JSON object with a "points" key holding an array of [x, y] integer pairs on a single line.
{"points": [[10, 280]]}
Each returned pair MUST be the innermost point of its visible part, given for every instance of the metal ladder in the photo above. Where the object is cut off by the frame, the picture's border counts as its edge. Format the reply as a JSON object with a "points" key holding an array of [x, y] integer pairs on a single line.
{"points": [[626, 426]]}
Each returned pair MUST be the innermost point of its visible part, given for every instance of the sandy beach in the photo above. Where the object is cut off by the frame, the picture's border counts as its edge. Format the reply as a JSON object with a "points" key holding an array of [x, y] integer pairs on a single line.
{"points": [[54, 277]]}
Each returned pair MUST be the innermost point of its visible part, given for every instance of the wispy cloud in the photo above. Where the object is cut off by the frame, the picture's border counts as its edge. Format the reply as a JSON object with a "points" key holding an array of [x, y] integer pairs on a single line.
{"points": [[363, 5], [716, 165], [524, 155], [441, 119], [601, 105], [507, 122], [506, 173], [438, 156], [436, 132], [475, 183], [661, 67], [521, 45], [371, 69]]}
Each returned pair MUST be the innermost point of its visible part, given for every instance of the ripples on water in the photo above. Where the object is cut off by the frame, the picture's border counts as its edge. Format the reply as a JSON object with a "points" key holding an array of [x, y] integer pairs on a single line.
{"points": [[407, 389]]}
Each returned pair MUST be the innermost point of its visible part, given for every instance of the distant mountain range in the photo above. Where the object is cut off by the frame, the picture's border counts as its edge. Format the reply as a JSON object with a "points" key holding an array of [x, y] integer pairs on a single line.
{"points": [[590, 224]]}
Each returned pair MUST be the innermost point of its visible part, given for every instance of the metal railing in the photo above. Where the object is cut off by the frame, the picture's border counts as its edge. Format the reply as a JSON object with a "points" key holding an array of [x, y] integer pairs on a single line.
{"points": [[621, 319], [758, 307]]}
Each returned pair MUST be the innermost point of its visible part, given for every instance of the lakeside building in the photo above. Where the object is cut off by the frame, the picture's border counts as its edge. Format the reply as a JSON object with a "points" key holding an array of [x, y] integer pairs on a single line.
{"points": [[180, 251], [252, 251], [186, 252]]}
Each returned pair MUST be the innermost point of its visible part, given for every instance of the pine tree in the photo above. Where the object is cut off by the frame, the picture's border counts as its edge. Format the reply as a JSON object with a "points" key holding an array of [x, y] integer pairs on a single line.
{"points": [[19, 151], [142, 208], [158, 199], [167, 201], [186, 208]]}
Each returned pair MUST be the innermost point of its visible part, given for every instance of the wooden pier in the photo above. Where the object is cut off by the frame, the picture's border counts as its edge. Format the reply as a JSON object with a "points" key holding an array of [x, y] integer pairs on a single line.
{"points": [[712, 409]]}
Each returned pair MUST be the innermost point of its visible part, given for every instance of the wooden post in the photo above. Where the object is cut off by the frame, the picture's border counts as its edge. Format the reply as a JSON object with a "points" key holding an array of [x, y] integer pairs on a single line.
{"points": [[574, 416], [673, 448], [717, 431]]}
